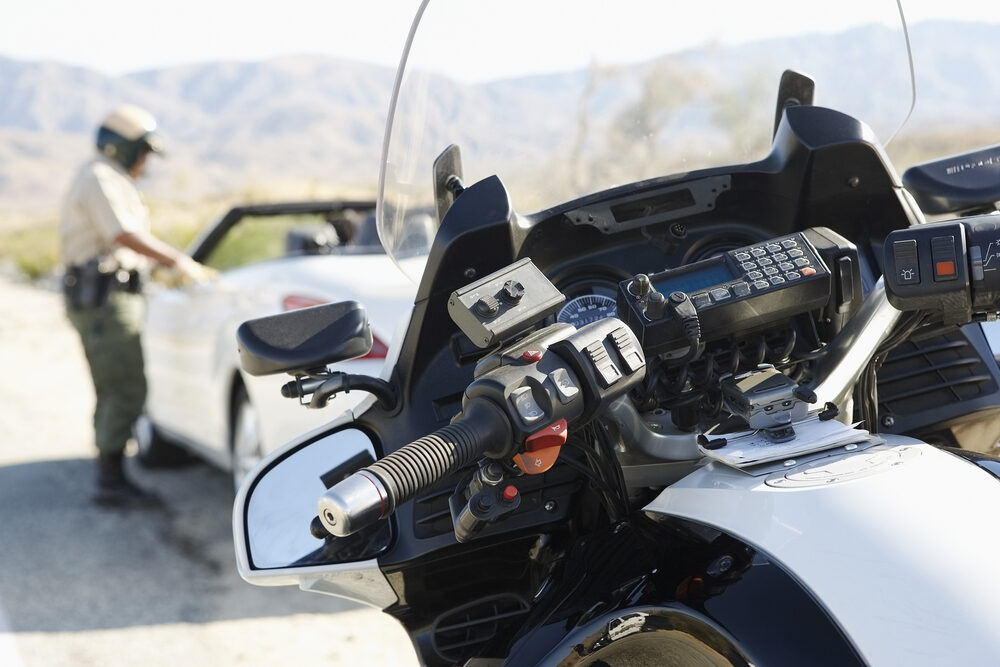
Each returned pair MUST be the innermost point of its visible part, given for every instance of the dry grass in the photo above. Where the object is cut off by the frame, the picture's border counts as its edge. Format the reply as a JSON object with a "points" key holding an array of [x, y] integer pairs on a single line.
{"points": [[29, 239]]}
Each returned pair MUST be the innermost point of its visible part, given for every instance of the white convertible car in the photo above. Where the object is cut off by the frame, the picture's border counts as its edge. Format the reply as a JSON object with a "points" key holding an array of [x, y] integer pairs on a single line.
{"points": [[270, 257]]}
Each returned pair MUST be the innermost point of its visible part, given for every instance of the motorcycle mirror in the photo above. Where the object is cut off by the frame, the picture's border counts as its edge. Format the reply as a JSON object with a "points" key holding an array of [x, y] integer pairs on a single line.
{"points": [[304, 339], [276, 508], [447, 179], [794, 89], [963, 184]]}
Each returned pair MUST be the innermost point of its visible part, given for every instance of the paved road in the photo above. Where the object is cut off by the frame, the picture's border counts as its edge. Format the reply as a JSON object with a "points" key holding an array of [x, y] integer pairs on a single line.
{"points": [[81, 586]]}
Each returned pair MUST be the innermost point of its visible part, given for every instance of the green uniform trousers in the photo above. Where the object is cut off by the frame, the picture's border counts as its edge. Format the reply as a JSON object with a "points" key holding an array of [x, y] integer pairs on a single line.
{"points": [[110, 336]]}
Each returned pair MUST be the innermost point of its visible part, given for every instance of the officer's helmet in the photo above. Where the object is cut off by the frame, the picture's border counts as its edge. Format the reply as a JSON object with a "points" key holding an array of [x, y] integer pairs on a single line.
{"points": [[126, 133]]}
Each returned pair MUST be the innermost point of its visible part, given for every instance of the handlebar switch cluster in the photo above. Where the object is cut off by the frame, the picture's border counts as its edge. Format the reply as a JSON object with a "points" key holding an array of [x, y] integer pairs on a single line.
{"points": [[951, 268], [560, 373]]}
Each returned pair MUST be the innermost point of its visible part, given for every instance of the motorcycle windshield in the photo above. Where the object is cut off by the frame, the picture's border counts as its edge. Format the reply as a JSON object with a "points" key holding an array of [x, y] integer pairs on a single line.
{"points": [[564, 98]]}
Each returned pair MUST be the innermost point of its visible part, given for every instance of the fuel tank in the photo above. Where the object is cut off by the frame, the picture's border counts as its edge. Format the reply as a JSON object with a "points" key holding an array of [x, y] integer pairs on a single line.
{"points": [[896, 541]]}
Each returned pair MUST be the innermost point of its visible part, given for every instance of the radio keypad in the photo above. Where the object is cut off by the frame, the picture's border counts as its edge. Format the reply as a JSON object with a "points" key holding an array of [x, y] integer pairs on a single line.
{"points": [[720, 294], [766, 268], [775, 263], [725, 290]]}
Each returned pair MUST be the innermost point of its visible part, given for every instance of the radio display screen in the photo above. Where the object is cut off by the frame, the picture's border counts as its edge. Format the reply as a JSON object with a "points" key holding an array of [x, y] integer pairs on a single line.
{"points": [[694, 278]]}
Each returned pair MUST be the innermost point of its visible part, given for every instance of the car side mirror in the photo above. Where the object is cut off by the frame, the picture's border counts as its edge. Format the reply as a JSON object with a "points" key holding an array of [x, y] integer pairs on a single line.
{"points": [[304, 339]]}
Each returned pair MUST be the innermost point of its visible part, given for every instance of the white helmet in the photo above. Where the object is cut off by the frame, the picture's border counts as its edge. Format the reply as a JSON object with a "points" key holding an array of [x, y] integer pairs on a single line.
{"points": [[128, 132]]}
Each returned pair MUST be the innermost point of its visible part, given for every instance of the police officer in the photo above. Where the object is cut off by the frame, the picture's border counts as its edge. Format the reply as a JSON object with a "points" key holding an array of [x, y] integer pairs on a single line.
{"points": [[107, 246]]}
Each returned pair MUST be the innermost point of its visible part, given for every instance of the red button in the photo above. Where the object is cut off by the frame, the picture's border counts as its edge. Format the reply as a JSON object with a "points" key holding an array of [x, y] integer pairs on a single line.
{"points": [[510, 493], [532, 356], [807, 270], [945, 268], [542, 448]]}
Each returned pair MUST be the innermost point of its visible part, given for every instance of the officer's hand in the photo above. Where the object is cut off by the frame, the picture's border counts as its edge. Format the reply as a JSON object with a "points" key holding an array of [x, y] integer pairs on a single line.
{"points": [[185, 271], [193, 272]]}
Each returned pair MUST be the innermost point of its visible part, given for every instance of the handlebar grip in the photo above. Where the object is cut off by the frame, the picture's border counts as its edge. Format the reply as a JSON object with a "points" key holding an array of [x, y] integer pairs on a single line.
{"points": [[374, 492]]}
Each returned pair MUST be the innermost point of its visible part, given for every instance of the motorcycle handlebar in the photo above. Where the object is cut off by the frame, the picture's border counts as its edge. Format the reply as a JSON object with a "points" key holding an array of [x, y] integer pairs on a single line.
{"points": [[853, 348], [374, 492]]}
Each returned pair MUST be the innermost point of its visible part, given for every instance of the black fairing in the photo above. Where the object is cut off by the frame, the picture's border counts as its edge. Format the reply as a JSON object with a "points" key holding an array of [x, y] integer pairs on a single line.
{"points": [[987, 462], [664, 592], [824, 170]]}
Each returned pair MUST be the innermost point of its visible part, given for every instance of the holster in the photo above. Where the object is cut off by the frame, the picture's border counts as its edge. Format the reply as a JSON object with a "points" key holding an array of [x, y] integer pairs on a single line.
{"points": [[88, 285]]}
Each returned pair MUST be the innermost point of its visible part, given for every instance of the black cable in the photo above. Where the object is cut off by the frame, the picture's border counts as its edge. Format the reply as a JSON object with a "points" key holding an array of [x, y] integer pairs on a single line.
{"points": [[866, 391], [593, 474], [614, 467]]}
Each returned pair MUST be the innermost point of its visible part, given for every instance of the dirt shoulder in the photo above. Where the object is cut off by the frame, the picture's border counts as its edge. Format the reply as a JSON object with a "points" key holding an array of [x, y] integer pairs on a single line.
{"points": [[82, 586]]}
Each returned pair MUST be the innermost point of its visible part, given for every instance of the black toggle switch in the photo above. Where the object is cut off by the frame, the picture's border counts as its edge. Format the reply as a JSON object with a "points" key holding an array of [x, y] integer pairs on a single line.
{"points": [[904, 254]]}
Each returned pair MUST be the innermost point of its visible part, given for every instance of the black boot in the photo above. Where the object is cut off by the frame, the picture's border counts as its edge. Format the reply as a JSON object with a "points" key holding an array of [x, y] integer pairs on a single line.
{"points": [[115, 490]]}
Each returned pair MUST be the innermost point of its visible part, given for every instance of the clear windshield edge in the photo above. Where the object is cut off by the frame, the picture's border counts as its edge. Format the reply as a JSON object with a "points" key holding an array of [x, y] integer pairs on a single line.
{"points": [[556, 127]]}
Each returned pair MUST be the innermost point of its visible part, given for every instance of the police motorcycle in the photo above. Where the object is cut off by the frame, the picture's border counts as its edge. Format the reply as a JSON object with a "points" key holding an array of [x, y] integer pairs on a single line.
{"points": [[732, 415]]}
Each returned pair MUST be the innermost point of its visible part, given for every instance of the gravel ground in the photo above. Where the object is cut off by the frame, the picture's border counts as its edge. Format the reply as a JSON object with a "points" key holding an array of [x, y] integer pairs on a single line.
{"points": [[79, 586]]}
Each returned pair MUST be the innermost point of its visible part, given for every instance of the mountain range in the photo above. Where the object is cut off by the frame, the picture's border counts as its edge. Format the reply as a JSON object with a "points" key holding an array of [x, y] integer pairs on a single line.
{"points": [[236, 126]]}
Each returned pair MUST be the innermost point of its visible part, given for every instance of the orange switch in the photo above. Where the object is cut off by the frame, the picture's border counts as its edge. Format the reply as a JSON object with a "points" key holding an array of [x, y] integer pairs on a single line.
{"points": [[944, 268]]}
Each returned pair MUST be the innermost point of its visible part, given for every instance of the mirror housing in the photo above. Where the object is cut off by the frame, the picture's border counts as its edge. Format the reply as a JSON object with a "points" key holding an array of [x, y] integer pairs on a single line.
{"points": [[447, 179], [961, 184], [305, 339], [276, 507]]}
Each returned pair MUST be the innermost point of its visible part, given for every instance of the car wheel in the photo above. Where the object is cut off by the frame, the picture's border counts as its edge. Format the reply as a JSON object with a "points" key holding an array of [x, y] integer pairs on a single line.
{"points": [[154, 449], [246, 446]]}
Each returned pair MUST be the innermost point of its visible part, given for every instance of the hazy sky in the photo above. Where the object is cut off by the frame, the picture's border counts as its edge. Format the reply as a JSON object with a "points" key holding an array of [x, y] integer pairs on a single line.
{"points": [[118, 36]]}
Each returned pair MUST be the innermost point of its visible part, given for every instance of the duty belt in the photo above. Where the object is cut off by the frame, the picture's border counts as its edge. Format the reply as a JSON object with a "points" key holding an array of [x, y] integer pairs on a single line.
{"points": [[88, 285]]}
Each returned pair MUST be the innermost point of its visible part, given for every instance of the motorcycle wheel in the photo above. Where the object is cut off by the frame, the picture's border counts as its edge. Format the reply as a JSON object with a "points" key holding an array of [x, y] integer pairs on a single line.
{"points": [[154, 450], [245, 444]]}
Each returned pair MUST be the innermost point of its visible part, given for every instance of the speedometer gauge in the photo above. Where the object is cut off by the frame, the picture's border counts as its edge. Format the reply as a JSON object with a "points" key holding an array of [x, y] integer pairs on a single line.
{"points": [[586, 309]]}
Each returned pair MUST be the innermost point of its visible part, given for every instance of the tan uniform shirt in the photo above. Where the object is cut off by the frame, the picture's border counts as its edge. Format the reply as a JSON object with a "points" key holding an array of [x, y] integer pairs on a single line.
{"points": [[102, 203]]}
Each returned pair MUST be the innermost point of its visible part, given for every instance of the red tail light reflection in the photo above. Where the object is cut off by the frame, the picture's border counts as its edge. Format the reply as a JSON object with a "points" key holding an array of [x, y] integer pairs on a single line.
{"points": [[294, 302]]}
